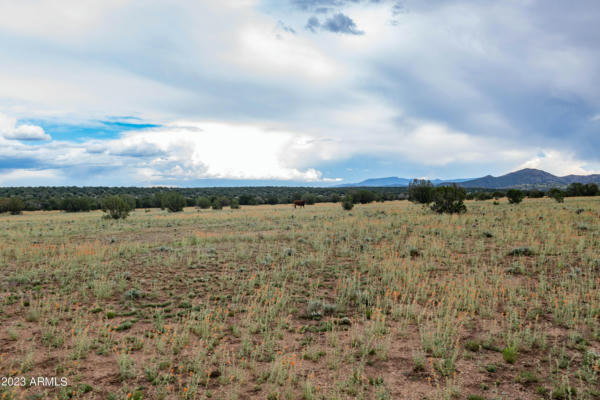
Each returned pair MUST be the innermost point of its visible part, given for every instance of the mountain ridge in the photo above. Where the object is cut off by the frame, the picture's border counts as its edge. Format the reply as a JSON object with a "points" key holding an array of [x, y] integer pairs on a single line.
{"points": [[526, 178]]}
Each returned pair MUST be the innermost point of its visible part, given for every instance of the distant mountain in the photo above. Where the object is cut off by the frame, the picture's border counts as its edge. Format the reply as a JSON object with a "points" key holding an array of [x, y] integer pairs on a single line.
{"points": [[528, 178], [393, 181]]}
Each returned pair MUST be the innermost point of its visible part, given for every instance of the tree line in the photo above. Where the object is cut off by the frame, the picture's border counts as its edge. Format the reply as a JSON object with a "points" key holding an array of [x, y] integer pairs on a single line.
{"points": [[445, 198], [77, 199]]}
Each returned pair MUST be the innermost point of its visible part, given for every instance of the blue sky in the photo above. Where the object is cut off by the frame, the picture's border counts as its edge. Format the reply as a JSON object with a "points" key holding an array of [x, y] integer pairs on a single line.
{"points": [[303, 92]]}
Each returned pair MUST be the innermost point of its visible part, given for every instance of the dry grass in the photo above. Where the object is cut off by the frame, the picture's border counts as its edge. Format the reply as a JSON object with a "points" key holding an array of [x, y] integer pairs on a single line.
{"points": [[387, 301]]}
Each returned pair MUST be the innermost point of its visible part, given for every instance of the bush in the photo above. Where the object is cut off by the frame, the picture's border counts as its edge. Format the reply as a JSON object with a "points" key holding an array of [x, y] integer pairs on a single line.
{"points": [[247, 200], [509, 354], [557, 195], [420, 191], [77, 204], [174, 202], [449, 199], [535, 194], [309, 198], [116, 207], [363, 196], [219, 202], [347, 203], [234, 204], [203, 202], [13, 205], [515, 196]]}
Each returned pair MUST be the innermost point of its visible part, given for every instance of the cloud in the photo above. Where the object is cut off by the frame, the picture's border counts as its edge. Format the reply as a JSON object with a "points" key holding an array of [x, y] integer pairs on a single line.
{"points": [[500, 79], [281, 25], [29, 177], [559, 163], [10, 130], [179, 152], [312, 24], [341, 23]]}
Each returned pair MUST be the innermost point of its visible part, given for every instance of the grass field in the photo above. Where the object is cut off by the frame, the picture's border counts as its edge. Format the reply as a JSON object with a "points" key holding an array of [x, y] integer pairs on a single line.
{"points": [[387, 301]]}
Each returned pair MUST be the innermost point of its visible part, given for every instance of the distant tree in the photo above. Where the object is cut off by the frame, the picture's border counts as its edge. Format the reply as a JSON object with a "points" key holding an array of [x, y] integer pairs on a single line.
{"points": [[234, 204], [219, 202], [347, 202], [77, 204], [515, 196], [13, 205], [174, 202], [272, 200], [535, 194], [247, 200], [203, 202], [483, 196], [116, 207], [130, 200], [575, 189], [449, 199], [420, 191], [591, 189], [497, 195], [557, 195], [309, 198], [363, 196]]}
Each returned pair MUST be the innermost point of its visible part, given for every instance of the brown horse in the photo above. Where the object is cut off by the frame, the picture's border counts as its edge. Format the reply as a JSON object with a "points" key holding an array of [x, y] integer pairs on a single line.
{"points": [[299, 203]]}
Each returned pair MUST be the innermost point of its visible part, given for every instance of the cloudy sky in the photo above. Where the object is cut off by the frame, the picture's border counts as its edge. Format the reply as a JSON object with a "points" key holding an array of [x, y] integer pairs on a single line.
{"points": [[315, 92]]}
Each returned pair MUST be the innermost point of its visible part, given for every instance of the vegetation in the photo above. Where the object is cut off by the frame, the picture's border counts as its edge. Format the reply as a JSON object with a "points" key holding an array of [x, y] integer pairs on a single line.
{"points": [[347, 203], [449, 199], [173, 201], [515, 196], [557, 195], [116, 207], [275, 302], [13, 205], [420, 191]]}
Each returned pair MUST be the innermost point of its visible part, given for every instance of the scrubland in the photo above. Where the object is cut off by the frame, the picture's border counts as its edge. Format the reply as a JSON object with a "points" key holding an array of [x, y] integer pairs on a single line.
{"points": [[386, 301]]}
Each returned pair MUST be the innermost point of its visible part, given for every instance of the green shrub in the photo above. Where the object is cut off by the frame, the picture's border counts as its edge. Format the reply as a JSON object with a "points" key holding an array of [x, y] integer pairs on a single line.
{"points": [[13, 205], [234, 204], [557, 195], [509, 354], [116, 207], [347, 203], [515, 196], [203, 202], [449, 199], [174, 202]]}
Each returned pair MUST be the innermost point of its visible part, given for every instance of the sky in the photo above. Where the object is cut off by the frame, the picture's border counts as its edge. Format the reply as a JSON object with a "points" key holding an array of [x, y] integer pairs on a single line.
{"points": [[295, 92]]}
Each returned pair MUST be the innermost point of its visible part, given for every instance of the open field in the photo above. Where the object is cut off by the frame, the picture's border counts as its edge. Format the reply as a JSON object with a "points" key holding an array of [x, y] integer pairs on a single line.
{"points": [[387, 301]]}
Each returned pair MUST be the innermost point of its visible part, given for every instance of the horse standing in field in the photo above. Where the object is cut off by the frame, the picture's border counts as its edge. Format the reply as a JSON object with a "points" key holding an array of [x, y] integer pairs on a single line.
{"points": [[299, 203]]}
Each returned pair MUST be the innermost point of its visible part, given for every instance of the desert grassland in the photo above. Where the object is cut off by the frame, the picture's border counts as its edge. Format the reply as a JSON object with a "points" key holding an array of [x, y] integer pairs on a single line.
{"points": [[387, 301]]}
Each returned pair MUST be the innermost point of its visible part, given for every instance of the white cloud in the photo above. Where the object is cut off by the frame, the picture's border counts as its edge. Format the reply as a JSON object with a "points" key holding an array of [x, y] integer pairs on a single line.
{"points": [[10, 130], [559, 163], [27, 177]]}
